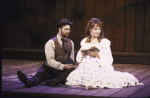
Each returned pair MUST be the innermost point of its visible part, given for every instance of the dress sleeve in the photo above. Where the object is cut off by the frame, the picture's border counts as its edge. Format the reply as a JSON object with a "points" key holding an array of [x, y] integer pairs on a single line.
{"points": [[79, 55], [106, 55], [50, 56]]}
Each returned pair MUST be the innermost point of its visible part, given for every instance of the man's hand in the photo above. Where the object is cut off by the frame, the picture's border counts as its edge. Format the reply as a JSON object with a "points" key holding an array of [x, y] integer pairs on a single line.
{"points": [[68, 66]]}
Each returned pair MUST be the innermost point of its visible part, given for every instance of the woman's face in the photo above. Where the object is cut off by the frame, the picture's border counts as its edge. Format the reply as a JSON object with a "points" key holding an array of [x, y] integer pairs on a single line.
{"points": [[95, 32]]}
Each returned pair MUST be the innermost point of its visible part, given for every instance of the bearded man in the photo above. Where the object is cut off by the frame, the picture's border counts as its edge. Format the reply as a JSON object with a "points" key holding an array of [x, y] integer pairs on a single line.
{"points": [[59, 52]]}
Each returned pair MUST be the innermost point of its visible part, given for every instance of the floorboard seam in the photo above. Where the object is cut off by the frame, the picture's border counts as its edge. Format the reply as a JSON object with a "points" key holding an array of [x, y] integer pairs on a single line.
{"points": [[117, 92], [98, 92], [139, 90]]}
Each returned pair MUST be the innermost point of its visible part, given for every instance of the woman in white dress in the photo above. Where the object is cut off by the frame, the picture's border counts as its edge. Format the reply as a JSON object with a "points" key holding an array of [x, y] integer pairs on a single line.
{"points": [[95, 60]]}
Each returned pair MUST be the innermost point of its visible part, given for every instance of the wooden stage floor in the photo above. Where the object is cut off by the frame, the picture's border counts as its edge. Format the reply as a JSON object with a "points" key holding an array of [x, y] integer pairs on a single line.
{"points": [[11, 86]]}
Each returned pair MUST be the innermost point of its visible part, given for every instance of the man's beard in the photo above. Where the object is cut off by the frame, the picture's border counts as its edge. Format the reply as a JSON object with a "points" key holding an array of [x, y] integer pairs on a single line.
{"points": [[64, 35]]}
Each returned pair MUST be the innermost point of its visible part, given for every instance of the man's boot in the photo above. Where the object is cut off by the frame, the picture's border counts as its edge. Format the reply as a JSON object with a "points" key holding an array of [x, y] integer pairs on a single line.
{"points": [[22, 77], [52, 82]]}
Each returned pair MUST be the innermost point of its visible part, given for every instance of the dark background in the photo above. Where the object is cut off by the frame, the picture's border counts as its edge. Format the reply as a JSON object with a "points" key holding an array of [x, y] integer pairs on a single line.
{"points": [[29, 24]]}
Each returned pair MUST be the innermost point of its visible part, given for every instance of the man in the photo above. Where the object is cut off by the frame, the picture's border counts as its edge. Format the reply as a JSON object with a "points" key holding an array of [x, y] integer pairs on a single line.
{"points": [[59, 62]]}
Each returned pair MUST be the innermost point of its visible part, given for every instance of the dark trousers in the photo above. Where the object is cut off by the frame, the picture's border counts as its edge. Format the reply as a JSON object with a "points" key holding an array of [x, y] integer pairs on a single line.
{"points": [[46, 73]]}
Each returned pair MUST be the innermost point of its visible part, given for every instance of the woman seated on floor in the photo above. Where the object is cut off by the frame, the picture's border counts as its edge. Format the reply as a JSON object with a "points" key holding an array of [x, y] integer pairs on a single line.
{"points": [[95, 62]]}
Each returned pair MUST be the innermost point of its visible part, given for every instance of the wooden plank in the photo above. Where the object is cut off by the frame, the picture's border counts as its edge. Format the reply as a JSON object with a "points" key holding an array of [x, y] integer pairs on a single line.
{"points": [[71, 91], [49, 20], [10, 67], [77, 43], [28, 70], [128, 70], [11, 79], [38, 37], [109, 17], [6, 83], [147, 25], [140, 22], [110, 21], [59, 12], [30, 21], [14, 62], [12, 86], [19, 26], [130, 26], [89, 92], [119, 24], [131, 90], [99, 9], [143, 93], [20, 65], [56, 90], [143, 75], [14, 73], [119, 44], [124, 67], [69, 5], [79, 22], [138, 71], [107, 92], [13, 67], [89, 10], [23, 89], [34, 89]]}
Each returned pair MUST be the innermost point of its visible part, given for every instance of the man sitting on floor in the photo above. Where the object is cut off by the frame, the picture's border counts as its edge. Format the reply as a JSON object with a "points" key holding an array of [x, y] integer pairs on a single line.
{"points": [[59, 62]]}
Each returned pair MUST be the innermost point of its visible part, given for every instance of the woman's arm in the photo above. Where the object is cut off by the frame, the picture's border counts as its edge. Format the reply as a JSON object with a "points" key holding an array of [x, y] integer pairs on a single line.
{"points": [[79, 56]]}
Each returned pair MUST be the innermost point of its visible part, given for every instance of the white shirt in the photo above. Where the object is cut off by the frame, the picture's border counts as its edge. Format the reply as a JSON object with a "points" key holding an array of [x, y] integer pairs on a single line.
{"points": [[50, 54]]}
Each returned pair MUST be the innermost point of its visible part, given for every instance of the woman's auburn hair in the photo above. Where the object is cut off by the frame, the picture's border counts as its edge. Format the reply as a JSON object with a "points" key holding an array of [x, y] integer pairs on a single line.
{"points": [[90, 25]]}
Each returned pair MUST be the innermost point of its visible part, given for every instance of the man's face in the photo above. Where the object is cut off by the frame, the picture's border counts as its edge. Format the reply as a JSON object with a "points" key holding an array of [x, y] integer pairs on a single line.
{"points": [[65, 31]]}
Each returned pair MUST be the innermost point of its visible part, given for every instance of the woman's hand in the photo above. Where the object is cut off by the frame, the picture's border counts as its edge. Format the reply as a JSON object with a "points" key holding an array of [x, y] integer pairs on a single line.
{"points": [[93, 54], [83, 54]]}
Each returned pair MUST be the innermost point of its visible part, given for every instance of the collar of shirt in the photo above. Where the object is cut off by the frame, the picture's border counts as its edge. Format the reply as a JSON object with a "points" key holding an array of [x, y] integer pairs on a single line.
{"points": [[59, 39]]}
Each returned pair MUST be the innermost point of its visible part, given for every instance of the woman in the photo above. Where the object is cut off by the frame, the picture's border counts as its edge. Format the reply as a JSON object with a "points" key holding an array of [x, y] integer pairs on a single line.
{"points": [[95, 62]]}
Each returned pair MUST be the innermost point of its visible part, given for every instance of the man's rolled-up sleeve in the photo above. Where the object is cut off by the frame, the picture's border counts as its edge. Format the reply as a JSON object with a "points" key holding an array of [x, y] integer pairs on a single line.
{"points": [[50, 56], [72, 51]]}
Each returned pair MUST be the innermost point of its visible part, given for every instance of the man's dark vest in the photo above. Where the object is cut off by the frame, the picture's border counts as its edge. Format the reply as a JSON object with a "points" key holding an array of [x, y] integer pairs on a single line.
{"points": [[60, 54]]}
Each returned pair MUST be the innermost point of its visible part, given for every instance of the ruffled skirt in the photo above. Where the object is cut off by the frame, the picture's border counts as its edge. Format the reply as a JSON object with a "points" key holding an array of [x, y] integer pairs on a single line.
{"points": [[90, 74]]}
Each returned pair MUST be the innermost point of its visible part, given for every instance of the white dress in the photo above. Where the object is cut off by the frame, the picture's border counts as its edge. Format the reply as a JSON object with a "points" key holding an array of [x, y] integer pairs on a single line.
{"points": [[99, 73]]}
